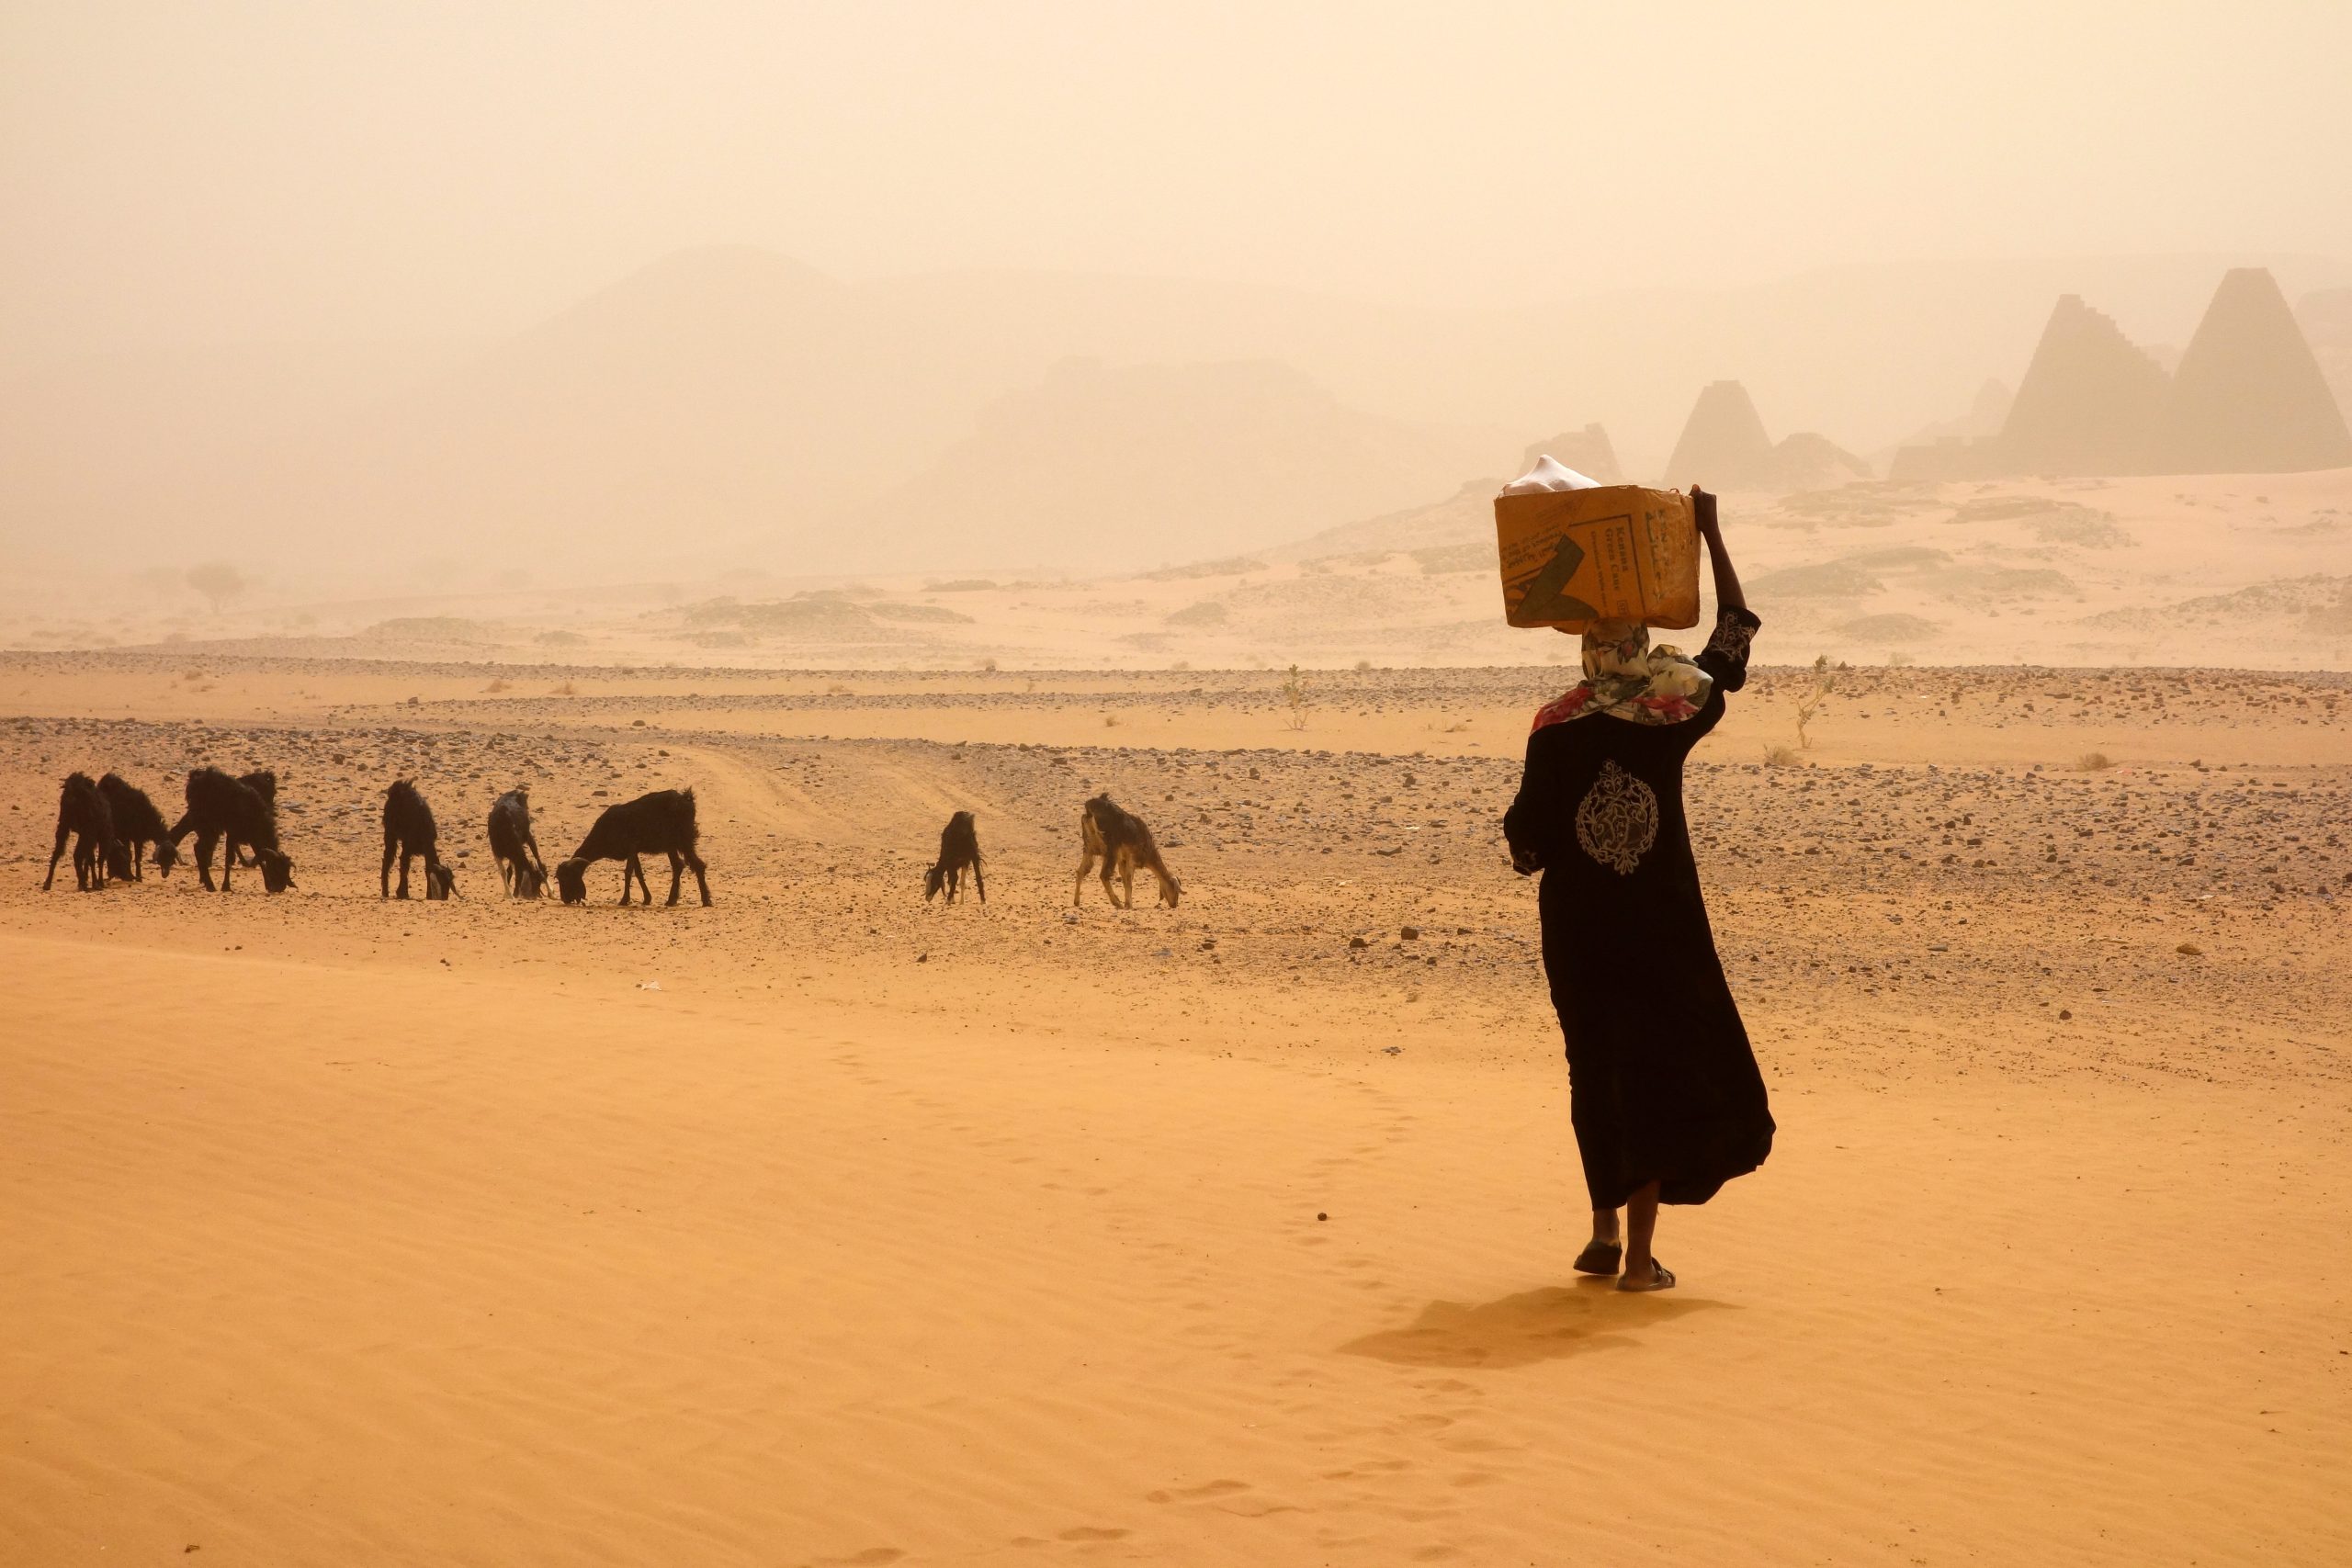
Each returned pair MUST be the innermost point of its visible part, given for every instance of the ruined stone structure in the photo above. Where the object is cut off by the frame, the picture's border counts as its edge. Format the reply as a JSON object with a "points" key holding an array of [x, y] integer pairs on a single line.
{"points": [[2326, 316], [2249, 397], [2087, 402], [1724, 446], [1588, 451]]}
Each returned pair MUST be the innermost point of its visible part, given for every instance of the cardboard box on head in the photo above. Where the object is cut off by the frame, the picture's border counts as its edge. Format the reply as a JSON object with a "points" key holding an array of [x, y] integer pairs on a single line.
{"points": [[1602, 553]]}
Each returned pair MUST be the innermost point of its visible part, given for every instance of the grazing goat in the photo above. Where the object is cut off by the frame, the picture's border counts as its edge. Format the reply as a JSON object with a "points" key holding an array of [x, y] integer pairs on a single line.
{"points": [[140, 825], [409, 831], [660, 823], [97, 847], [514, 847], [959, 850], [1123, 843], [263, 783], [233, 813]]}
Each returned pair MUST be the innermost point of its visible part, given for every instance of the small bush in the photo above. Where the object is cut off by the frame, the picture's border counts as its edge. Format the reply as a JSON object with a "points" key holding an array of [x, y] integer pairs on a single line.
{"points": [[2093, 762], [1780, 757], [1294, 699], [567, 690]]}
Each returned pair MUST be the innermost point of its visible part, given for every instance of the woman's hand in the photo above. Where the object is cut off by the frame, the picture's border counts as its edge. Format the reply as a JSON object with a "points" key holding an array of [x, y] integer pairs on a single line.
{"points": [[1727, 593]]}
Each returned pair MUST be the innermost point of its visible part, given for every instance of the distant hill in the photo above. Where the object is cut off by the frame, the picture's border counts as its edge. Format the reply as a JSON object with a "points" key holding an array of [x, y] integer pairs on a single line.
{"points": [[730, 406], [1467, 516], [1114, 467]]}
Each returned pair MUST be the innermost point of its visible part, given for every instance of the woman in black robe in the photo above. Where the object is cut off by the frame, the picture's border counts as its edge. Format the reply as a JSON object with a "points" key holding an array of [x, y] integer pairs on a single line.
{"points": [[1663, 1090]]}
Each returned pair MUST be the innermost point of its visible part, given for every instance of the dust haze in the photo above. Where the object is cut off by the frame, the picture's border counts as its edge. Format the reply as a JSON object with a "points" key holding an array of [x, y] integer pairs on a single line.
{"points": [[553, 298], [817, 449]]}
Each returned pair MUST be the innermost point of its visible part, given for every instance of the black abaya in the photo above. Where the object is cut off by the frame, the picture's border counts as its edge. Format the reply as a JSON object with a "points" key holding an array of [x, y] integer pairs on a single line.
{"points": [[1663, 1086]]}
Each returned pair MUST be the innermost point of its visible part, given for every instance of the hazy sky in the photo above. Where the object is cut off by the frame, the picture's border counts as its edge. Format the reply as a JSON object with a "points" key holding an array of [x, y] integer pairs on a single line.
{"points": [[176, 172]]}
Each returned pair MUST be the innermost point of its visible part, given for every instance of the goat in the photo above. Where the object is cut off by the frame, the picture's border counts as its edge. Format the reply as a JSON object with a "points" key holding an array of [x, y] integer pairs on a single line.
{"points": [[97, 847], [959, 848], [262, 782], [409, 831], [140, 825], [512, 847], [660, 823], [222, 808], [1123, 843]]}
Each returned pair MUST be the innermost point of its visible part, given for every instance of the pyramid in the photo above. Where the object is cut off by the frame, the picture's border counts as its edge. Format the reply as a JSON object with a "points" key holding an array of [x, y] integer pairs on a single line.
{"points": [[2249, 397], [1724, 446], [1587, 451], [1952, 448], [1809, 461], [2089, 400], [2326, 316]]}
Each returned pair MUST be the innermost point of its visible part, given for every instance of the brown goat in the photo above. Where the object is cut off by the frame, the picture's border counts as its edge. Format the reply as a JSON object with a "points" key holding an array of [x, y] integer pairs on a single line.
{"points": [[1121, 842]]}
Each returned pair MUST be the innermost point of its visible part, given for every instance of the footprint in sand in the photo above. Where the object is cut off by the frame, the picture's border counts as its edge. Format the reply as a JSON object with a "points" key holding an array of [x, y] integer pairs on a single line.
{"points": [[1193, 1494]]}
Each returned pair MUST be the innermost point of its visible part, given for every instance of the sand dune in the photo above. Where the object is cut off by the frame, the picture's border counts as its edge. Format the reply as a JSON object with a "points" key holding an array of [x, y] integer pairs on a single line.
{"points": [[822, 1226], [2228, 570]]}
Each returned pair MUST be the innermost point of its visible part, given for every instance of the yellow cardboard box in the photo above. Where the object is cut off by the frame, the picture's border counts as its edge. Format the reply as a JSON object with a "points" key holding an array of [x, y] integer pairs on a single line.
{"points": [[1616, 553]]}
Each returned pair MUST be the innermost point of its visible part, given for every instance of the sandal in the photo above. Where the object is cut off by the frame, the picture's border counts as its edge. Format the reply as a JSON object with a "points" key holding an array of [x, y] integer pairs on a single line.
{"points": [[1661, 1278], [1599, 1257]]}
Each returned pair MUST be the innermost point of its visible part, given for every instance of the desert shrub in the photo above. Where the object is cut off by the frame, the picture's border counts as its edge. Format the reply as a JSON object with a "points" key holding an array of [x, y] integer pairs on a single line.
{"points": [[219, 581], [1825, 681]]}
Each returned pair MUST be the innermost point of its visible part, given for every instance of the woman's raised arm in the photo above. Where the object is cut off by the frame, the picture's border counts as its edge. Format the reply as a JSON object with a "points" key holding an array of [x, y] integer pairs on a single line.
{"points": [[1727, 593]]}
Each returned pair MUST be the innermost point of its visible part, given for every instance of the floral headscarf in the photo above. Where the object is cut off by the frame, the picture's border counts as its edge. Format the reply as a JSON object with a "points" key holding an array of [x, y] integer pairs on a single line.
{"points": [[1626, 678]]}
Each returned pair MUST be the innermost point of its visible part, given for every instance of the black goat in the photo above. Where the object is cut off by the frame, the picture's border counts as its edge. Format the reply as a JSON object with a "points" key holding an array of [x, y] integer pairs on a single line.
{"points": [[660, 823], [409, 831], [231, 812], [514, 847], [140, 825], [263, 783], [97, 847], [959, 850]]}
